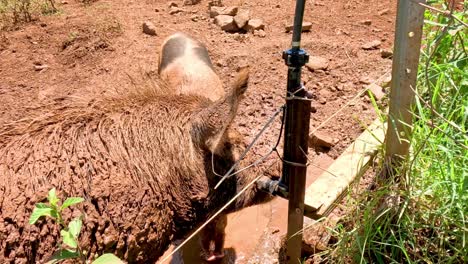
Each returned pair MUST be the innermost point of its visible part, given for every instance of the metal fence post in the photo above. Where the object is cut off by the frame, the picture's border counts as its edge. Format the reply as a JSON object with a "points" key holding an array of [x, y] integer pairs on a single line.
{"points": [[296, 135], [407, 45]]}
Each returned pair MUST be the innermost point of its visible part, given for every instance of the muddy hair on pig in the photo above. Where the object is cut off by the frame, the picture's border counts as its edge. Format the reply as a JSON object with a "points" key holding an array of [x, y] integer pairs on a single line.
{"points": [[140, 160]]}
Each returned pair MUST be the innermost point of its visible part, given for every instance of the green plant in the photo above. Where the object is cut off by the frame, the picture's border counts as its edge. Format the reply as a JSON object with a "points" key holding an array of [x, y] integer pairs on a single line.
{"points": [[70, 247]]}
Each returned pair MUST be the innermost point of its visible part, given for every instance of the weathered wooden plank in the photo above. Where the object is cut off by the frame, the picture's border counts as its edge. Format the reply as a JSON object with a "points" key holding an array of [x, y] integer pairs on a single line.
{"points": [[326, 190]]}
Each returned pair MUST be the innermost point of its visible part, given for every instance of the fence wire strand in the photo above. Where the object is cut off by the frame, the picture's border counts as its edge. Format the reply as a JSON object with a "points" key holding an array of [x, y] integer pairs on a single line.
{"points": [[270, 121]]}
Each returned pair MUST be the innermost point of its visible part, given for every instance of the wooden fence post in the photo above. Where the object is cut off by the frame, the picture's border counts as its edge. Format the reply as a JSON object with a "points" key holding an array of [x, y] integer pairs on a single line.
{"points": [[407, 46]]}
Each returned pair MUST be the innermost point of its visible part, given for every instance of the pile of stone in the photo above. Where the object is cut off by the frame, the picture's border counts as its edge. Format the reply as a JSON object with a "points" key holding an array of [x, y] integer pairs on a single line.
{"points": [[232, 19]]}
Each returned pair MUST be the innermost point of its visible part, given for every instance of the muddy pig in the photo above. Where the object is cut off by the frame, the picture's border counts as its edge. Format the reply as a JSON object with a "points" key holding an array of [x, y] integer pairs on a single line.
{"points": [[141, 160], [186, 66]]}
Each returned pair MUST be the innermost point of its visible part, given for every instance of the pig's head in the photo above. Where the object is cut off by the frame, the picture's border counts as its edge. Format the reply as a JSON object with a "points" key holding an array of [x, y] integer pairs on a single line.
{"points": [[211, 124], [222, 146]]}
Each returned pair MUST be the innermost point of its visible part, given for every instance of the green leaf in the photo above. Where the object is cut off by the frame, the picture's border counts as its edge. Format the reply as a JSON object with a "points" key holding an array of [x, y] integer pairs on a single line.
{"points": [[68, 239], [74, 227], [52, 197], [71, 201], [54, 213], [42, 205], [108, 258], [38, 212], [61, 255]]}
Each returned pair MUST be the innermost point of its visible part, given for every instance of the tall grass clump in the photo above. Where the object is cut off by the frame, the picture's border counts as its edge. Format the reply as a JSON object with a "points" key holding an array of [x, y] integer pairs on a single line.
{"points": [[421, 216]]}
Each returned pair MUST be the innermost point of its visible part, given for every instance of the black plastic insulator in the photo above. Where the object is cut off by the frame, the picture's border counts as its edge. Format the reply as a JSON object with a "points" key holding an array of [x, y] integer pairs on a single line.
{"points": [[295, 58]]}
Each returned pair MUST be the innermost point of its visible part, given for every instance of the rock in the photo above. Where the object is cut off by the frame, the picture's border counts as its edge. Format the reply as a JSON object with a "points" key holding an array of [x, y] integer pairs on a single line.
{"points": [[365, 80], [172, 4], [220, 63], [175, 10], [376, 91], [317, 63], [40, 67], [254, 24], [194, 18], [384, 12], [191, 2], [387, 82], [228, 10], [313, 109], [367, 22], [149, 28], [371, 45], [242, 17], [260, 33], [64, 2], [386, 54], [42, 24], [215, 3], [316, 236], [238, 37], [306, 26], [321, 140], [339, 31], [323, 95], [226, 23], [305, 78]]}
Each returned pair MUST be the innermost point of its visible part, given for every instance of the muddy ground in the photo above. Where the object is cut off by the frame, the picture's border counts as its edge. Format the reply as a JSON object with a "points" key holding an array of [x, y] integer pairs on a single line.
{"points": [[100, 47]]}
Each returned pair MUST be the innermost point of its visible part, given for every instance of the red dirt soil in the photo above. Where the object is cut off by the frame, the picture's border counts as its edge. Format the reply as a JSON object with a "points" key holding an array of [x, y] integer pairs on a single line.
{"points": [[100, 48]]}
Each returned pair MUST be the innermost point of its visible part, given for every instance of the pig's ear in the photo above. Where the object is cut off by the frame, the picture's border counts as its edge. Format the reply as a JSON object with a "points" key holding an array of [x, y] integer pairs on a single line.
{"points": [[211, 123], [239, 86]]}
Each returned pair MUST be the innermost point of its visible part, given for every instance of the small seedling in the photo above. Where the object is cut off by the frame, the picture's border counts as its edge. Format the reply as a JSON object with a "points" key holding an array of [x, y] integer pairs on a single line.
{"points": [[70, 247]]}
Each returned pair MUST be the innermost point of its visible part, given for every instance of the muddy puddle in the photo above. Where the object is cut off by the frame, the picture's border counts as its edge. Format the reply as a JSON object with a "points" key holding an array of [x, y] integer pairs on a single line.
{"points": [[244, 230], [253, 234]]}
